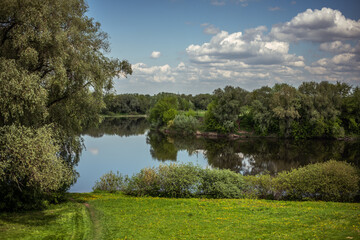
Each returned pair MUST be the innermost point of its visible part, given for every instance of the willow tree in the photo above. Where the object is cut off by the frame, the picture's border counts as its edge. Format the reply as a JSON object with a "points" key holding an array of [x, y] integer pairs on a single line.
{"points": [[53, 72]]}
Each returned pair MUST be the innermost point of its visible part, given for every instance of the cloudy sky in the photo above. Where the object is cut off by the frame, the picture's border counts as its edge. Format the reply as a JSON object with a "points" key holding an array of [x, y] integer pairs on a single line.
{"points": [[196, 46]]}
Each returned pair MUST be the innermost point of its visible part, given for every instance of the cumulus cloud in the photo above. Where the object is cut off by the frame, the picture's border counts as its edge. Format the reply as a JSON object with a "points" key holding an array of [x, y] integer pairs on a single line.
{"points": [[343, 67], [336, 47], [249, 48], [325, 25], [157, 74], [155, 54], [256, 57], [210, 29]]}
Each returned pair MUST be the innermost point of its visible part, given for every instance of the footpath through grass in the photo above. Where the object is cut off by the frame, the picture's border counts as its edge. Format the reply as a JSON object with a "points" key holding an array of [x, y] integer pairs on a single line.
{"points": [[122, 217]]}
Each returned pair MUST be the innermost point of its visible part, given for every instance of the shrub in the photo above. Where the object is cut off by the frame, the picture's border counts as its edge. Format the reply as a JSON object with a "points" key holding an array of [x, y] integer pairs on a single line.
{"points": [[217, 183], [144, 183], [186, 124], [329, 181], [261, 186], [109, 182], [165, 181], [31, 171], [179, 180]]}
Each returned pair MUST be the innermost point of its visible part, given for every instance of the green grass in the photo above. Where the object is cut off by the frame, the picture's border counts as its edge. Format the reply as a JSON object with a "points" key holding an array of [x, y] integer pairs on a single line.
{"points": [[64, 221], [115, 216], [200, 113], [123, 115]]}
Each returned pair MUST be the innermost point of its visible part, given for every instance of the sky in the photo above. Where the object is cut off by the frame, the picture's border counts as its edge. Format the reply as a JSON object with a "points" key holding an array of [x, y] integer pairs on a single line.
{"points": [[197, 46]]}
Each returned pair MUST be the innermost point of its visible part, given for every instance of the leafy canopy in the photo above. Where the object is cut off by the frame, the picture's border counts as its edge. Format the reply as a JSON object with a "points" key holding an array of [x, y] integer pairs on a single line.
{"points": [[53, 74]]}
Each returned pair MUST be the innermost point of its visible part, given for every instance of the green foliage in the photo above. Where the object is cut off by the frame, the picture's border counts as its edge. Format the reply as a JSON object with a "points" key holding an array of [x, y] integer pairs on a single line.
{"points": [[109, 182], [260, 111], [285, 105], [223, 111], [201, 101], [211, 122], [145, 183], [22, 99], [166, 181], [217, 183], [163, 111], [30, 168], [185, 124], [329, 181], [350, 115], [180, 181], [53, 71], [261, 186], [126, 104]]}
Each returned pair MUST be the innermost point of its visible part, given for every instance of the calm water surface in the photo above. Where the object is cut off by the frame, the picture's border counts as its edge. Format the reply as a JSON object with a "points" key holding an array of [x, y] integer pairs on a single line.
{"points": [[126, 145]]}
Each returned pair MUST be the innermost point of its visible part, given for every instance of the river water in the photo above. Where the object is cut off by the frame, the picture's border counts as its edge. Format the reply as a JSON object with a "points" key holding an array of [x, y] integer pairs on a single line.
{"points": [[127, 145]]}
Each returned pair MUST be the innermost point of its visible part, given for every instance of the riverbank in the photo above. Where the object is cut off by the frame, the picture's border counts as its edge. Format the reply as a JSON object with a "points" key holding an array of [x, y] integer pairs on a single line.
{"points": [[116, 216], [124, 116], [245, 134]]}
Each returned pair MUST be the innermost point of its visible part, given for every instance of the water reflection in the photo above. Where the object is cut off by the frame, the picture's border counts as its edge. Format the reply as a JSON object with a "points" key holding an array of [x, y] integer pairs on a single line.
{"points": [[253, 156], [247, 156], [123, 127], [127, 145]]}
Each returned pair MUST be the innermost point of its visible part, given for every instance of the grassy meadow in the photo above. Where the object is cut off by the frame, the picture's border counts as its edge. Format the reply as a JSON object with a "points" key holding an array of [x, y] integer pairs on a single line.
{"points": [[116, 216]]}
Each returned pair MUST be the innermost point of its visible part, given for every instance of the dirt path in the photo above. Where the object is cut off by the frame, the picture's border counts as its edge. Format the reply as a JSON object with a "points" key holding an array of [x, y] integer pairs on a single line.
{"points": [[96, 227], [95, 221]]}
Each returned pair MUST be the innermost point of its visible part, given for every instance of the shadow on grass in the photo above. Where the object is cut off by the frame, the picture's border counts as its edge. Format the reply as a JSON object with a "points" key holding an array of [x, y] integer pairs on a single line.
{"points": [[29, 218]]}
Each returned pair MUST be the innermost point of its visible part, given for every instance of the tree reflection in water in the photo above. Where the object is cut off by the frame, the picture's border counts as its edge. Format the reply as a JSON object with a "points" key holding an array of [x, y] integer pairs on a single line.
{"points": [[121, 126], [254, 156], [247, 156]]}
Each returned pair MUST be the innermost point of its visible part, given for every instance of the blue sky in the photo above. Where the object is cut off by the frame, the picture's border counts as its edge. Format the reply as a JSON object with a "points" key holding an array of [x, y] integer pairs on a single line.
{"points": [[196, 46]]}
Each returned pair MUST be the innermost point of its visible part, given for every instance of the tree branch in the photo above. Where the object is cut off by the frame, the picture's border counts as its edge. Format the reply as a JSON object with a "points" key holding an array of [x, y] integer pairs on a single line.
{"points": [[68, 94]]}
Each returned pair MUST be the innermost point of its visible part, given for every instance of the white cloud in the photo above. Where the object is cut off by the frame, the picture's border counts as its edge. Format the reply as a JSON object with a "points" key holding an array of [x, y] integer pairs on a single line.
{"points": [[155, 54], [158, 74], [217, 3], [318, 26], [223, 2], [343, 67], [255, 58], [336, 47], [273, 9], [250, 48], [316, 70], [210, 29]]}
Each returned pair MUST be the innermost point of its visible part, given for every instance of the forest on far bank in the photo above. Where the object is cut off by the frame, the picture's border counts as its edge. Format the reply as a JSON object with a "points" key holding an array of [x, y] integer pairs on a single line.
{"points": [[313, 110]]}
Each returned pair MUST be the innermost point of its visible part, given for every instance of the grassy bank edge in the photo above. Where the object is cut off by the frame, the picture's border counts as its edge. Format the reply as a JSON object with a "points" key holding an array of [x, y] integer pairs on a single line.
{"points": [[125, 217]]}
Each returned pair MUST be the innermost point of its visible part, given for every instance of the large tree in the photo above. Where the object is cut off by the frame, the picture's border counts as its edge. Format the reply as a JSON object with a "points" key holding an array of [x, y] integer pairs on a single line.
{"points": [[53, 71]]}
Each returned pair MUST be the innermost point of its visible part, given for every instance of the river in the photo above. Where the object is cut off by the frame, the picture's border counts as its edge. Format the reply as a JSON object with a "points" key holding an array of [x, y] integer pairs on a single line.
{"points": [[127, 145]]}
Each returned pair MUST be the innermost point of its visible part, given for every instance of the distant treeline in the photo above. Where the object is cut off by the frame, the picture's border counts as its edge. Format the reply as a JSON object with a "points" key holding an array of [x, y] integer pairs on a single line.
{"points": [[313, 110], [141, 104]]}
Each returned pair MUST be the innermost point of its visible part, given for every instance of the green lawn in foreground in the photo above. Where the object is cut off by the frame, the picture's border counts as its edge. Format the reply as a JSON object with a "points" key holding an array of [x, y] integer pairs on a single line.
{"points": [[64, 221], [115, 216]]}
